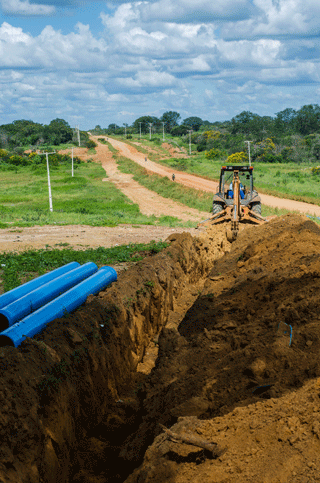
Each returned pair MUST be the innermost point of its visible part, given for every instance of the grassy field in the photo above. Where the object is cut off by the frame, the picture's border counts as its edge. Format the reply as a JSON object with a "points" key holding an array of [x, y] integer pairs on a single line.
{"points": [[82, 199], [293, 181], [193, 198], [199, 200], [21, 267]]}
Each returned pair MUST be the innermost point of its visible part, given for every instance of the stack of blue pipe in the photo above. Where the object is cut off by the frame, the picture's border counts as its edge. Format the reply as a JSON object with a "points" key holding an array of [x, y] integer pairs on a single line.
{"points": [[26, 310]]}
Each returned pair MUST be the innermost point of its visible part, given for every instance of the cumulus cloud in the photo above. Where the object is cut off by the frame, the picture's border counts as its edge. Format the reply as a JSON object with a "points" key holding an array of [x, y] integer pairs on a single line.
{"points": [[195, 57], [51, 48], [280, 18], [193, 12], [147, 80], [25, 8]]}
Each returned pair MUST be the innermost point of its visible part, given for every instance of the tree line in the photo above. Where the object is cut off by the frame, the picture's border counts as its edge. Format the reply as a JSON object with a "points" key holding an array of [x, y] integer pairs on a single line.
{"points": [[24, 133], [289, 121], [290, 136]]}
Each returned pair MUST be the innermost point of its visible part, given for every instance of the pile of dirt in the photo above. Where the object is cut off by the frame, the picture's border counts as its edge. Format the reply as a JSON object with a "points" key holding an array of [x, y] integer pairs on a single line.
{"points": [[252, 336]]}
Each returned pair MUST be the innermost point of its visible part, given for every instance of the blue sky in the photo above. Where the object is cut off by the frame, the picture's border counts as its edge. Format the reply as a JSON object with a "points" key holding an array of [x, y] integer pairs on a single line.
{"points": [[113, 61]]}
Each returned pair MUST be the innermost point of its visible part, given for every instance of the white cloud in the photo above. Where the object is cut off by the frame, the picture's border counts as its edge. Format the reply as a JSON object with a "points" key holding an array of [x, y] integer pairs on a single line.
{"points": [[195, 57], [51, 48], [282, 18], [150, 79], [195, 12], [259, 52], [25, 8]]}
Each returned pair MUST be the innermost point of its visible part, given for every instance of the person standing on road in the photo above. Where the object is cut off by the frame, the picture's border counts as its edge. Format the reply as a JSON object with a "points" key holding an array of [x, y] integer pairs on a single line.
{"points": [[173, 177], [145, 158]]}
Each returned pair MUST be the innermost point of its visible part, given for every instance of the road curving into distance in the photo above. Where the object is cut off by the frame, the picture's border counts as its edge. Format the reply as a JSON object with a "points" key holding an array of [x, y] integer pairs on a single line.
{"points": [[197, 182]]}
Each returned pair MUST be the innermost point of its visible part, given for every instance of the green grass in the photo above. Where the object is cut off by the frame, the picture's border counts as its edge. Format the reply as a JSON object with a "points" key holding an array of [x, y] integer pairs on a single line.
{"points": [[284, 180], [82, 199], [200, 200], [292, 181], [17, 268], [193, 198]]}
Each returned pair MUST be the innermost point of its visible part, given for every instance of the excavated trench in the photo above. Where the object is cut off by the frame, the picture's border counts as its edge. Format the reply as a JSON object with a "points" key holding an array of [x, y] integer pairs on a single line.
{"points": [[68, 397], [188, 334]]}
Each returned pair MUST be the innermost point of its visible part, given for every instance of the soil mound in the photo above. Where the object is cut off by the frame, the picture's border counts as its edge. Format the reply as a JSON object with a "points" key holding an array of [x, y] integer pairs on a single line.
{"points": [[252, 335]]}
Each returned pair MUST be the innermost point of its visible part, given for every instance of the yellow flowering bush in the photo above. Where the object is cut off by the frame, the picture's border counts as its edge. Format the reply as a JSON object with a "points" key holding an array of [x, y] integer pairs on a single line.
{"points": [[237, 158]]}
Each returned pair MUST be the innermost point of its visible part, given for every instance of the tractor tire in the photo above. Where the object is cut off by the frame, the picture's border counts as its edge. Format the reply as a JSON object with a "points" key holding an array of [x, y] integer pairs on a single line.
{"points": [[256, 208], [216, 208]]}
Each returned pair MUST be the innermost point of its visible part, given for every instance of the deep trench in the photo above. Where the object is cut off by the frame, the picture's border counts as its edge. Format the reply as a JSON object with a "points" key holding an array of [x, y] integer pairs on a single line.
{"points": [[102, 451], [181, 334], [71, 397]]}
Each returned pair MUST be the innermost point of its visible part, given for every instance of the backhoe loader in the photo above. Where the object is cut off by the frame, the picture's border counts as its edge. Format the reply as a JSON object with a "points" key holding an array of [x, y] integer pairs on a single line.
{"points": [[235, 201]]}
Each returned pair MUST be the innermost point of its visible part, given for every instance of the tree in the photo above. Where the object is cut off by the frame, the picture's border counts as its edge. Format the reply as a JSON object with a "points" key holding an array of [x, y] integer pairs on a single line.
{"points": [[285, 120], [145, 121], [193, 123], [247, 123], [179, 130], [307, 119], [58, 132], [170, 119]]}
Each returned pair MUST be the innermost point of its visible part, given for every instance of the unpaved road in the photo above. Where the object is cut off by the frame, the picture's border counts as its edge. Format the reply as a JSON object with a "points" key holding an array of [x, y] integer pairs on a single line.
{"points": [[206, 185], [150, 203], [81, 237]]}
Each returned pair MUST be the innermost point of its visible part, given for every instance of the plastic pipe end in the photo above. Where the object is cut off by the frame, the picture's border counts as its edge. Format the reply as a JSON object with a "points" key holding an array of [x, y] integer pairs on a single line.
{"points": [[4, 321], [6, 341]]}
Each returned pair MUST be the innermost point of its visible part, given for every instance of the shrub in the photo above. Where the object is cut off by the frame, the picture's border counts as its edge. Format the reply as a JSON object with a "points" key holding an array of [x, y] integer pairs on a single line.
{"points": [[237, 158], [213, 153], [91, 144]]}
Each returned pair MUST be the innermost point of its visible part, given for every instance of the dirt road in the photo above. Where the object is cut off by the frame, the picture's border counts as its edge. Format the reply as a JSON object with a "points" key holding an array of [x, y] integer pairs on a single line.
{"points": [[207, 185], [80, 237], [150, 203]]}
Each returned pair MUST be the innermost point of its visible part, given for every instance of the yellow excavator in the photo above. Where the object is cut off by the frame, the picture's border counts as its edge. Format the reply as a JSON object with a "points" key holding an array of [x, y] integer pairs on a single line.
{"points": [[235, 201]]}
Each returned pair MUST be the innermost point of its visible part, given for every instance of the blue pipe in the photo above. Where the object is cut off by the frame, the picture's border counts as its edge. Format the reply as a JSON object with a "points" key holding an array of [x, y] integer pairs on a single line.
{"points": [[16, 293], [62, 305], [44, 294]]}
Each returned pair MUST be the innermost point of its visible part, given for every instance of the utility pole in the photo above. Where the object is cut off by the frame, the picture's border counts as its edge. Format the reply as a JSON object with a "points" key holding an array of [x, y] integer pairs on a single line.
{"points": [[72, 163], [49, 183], [190, 131], [140, 128], [78, 134], [125, 130], [248, 142], [163, 130], [150, 127]]}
